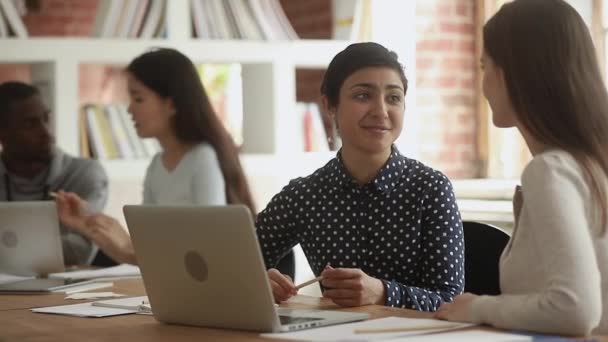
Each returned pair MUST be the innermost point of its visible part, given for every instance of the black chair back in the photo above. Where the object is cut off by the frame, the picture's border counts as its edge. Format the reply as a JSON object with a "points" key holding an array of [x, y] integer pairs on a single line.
{"points": [[287, 264], [103, 260], [484, 244]]}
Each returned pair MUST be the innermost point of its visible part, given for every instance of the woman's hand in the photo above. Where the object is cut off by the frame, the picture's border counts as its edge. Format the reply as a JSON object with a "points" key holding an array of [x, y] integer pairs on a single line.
{"points": [[282, 285], [103, 230], [111, 237], [72, 210], [458, 310], [352, 287]]}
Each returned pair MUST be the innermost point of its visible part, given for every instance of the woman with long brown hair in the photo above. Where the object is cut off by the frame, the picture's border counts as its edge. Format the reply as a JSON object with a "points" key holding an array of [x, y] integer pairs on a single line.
{"points": [[198, 163], [541, 75]]}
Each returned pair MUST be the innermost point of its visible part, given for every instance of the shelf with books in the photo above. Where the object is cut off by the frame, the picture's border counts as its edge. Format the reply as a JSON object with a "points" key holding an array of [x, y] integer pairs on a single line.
{"points": [[268, 78], [301, 53]]}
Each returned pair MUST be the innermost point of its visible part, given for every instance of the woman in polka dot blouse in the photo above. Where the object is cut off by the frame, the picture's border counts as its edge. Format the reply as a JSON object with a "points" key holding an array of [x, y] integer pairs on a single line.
{"points": [[379, 228]]}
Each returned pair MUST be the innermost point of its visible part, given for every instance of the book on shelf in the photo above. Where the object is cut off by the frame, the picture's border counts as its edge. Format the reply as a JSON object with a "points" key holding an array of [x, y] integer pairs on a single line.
{"points": [[13, 23], [3, 26], [351, 20], [110, 134], [126, 19], [314, 137], [241, 19], [129, 18], [154, 19]]}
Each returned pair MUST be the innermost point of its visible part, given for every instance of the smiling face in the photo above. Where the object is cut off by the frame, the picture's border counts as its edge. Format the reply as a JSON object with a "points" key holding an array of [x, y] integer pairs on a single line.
{"points": [[369, 113], [151, 113]]}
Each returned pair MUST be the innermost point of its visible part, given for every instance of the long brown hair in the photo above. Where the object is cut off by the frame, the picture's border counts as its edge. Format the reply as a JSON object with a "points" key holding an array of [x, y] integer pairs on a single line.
{"points": [[554, 81], [171, 74]]}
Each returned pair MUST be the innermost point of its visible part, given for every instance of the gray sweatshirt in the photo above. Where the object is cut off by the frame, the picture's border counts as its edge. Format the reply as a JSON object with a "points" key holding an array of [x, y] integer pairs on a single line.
{"points": [[85, 177]]}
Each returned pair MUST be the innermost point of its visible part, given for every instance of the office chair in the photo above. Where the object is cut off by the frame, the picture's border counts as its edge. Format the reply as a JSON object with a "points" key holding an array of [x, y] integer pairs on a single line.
{"points": [[102, 260], [484, 244], [287, 264]]}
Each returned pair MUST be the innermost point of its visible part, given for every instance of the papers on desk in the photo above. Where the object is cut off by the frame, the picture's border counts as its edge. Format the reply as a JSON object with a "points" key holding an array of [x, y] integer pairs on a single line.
{"points": [[102, 308], [139, 304], [83, 310], [94, 295], [120, 271], [393, 327], [86, 286], [471, 335]]}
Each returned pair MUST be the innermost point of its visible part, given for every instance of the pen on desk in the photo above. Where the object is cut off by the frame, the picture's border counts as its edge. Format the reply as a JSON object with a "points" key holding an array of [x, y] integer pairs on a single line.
{"points": [[311, 281], [404, 329]]}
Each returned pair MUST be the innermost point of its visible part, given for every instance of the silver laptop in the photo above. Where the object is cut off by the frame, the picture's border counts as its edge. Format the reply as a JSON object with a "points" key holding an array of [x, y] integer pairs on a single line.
{"points": [[30, 240], [203, 266]]}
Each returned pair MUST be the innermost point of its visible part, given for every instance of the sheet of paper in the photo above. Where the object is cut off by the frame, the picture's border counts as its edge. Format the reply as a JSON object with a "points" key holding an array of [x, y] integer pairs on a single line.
{"points": [[469, 335], [94, 295], [134, 303], [120, 271], [9, 278], [83, 310], [347, 332], [85, 287]]}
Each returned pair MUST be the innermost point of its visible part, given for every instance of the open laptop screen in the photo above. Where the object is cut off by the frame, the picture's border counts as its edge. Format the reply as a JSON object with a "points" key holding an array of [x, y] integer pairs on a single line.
{"points": [[30, 240]]}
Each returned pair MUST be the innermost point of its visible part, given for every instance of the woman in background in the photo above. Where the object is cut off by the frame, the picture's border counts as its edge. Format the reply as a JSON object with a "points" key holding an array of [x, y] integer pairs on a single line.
{"points": [[199, 162], [541, 75]]}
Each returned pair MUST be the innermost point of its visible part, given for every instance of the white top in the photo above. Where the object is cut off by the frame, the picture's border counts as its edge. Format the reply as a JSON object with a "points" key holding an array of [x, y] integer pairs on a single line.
{"points": [[197, 179], [554, 269]]}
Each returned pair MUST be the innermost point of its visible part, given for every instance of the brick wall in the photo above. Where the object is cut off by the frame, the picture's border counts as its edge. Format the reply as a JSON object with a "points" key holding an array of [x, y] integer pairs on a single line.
{"points": [[445, 80], [51, 18], [61, 18]]}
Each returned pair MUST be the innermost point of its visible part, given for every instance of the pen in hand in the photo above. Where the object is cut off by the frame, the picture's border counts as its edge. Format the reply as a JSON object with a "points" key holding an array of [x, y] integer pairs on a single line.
{"points": [[311, 281]]}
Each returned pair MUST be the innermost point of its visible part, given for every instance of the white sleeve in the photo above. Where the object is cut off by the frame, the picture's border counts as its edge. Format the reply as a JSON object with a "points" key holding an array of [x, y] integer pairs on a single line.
{"points": [[570, 300], [208, 186]]}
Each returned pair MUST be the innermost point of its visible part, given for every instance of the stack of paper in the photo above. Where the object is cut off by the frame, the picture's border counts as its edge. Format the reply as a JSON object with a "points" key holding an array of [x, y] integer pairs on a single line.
{"points": [[102, 308], [120, 271], [371, 330]]}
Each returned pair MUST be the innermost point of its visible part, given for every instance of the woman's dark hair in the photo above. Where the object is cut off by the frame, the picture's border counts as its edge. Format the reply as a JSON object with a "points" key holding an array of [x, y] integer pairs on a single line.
{"points": [[554, 81], [172, 75], [355, 57]]}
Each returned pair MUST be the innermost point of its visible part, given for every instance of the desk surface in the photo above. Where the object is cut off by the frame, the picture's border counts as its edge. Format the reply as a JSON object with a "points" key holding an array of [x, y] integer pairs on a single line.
{"points": [[18, 323]]}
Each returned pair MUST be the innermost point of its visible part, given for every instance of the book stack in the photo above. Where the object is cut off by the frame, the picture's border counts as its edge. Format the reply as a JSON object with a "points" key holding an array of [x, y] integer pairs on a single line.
{"points": [[352, 20], [11, 24], [107, 132], [241, 19], [130, 19]]}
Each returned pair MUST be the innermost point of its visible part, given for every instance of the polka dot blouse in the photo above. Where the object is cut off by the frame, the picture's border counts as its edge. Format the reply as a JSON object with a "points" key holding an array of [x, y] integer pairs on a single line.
{"points": [[403, 227]]}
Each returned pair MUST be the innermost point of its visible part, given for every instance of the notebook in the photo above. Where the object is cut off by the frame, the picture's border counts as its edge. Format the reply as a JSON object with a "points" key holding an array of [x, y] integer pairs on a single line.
{"points": [[202, 266], [30, 240]]}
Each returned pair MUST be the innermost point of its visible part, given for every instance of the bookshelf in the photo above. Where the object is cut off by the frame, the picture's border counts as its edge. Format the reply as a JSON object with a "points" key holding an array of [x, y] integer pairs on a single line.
{"points": [[268, 75], [268, 81]]}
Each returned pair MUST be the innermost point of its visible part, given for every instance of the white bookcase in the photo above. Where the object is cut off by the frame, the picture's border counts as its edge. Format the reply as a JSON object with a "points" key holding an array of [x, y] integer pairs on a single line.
{"points": [[268, 71]]}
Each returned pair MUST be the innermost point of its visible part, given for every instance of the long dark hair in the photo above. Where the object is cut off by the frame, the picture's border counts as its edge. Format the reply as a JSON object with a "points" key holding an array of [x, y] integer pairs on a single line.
{"points": [[554, 82], [172, 75]]}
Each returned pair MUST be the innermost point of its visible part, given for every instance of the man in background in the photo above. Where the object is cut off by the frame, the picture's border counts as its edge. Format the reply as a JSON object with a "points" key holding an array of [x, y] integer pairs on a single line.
{"points": [[31, 166]]}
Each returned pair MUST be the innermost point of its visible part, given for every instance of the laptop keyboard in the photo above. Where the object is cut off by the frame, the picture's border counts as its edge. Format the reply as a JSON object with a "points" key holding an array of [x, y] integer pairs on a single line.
{"points": [[285, 320]]}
